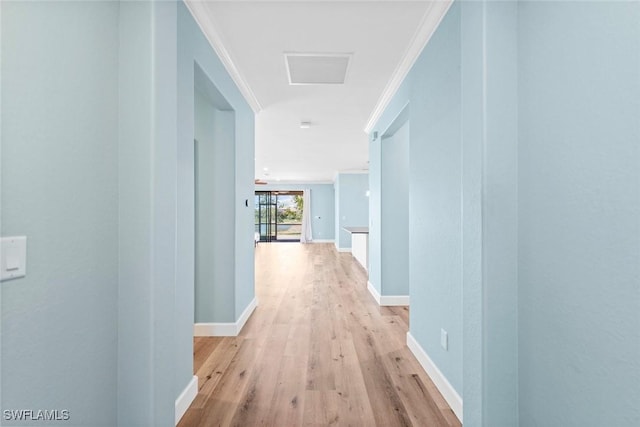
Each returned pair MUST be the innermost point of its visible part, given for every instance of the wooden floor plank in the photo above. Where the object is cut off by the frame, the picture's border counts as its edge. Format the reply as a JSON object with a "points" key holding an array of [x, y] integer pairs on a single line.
{"points": [[318, 351]]}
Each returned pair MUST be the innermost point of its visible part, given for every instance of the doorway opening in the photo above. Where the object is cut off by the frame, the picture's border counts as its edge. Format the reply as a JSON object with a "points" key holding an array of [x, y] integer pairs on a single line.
{"points": [[278, 215]]}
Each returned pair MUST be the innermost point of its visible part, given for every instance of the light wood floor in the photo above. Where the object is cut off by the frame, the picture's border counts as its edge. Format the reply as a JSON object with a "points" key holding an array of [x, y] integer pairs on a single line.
{"points": [[317, 351]]}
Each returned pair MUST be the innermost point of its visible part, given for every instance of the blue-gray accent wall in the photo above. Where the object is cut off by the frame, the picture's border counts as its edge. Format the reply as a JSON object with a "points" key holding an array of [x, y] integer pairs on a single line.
{"points": [[352, 205]]}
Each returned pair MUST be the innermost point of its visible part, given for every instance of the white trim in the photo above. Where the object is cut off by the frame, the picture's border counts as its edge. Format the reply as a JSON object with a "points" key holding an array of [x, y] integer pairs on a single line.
{"points": [[373, 291], [394, 300], [215, 330], [323, 241], [225, 329], [202, 17], [387, 300], [430, 21], [186, 397], [246, 314], [343, 249], [442, 384]]}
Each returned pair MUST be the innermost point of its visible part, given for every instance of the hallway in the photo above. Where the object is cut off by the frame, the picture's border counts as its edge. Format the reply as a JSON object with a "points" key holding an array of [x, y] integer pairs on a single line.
{"points": [[317, 351]]}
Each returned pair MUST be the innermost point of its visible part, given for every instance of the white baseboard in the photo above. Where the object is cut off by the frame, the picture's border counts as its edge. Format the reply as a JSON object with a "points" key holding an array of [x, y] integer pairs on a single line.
{"points": [[442, 384], [215, 330], [246, 314], [225, 329], [387, 300], [322, 241], [186, 397], [341, 249], [373, 291]]}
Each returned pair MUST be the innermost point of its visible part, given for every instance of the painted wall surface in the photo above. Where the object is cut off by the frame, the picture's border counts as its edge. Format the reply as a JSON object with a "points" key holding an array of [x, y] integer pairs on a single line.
{"points": [[395, 212], [432, 94], [195, 52], [473, 72], [322, 206], [214, 133], [375, 214], [352, 205], [336, 221], [489, 221], [435, 252], [489, 212], [95, 180], [579, 193], [147, 213], [538, 102], [147, 197], [60, 189]]}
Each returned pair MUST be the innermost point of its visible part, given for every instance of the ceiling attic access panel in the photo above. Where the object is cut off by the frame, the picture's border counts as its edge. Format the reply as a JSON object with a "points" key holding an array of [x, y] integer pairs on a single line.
{"points": [[317, 68]]}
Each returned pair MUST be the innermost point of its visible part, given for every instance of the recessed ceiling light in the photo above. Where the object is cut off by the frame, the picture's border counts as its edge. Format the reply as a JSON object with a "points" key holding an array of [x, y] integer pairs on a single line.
{"points": [[305, 125]]}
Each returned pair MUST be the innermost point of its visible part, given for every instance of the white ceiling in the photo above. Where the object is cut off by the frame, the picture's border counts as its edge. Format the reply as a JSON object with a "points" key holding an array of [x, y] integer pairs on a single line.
{"points": [[257, 34]]}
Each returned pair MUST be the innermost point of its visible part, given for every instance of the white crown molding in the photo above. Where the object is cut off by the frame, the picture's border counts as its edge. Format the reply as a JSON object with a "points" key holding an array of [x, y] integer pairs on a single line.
{"points": [[439, 380], [430, 21], [201, 15]]}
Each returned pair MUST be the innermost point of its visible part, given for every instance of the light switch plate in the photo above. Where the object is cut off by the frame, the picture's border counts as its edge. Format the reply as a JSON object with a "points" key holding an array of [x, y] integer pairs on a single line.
{"points": [[13, 257]]}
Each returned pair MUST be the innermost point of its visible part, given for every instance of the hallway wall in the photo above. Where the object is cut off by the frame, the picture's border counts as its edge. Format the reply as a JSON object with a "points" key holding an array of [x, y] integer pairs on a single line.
{"points": [[94, 176], [431, 91], [525, 198], [214, 133], [147, 205], [235, 294], [389, 210], [352, 205], [60, 189], [579, 213]]}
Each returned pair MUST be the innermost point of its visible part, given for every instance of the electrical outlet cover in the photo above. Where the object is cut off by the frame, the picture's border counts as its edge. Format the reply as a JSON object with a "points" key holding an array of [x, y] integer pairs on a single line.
{"points": [[444, 339], [13, 257]]}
